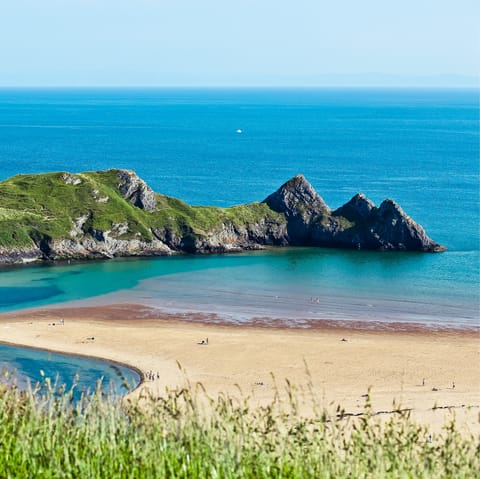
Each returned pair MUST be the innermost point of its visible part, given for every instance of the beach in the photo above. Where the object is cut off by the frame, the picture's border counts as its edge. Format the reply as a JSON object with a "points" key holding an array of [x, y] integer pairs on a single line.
{"points": [[432, 372]]}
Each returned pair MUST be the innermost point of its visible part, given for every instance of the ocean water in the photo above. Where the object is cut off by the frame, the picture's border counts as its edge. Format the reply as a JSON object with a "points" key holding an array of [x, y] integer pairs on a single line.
{"points": [[419, 147]]}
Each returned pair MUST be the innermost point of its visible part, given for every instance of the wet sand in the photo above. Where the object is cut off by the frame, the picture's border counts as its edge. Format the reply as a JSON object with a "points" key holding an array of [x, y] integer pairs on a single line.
{"points": [[433, 372]]}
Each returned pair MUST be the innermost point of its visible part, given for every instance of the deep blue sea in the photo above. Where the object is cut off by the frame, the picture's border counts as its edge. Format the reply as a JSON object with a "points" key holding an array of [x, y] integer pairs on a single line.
{"points": [[419, 147]]}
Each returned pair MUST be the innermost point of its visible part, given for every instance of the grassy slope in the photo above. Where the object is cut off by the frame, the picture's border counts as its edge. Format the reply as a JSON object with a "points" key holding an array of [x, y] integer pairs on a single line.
{"points": [[171, 436], [34, 206]]}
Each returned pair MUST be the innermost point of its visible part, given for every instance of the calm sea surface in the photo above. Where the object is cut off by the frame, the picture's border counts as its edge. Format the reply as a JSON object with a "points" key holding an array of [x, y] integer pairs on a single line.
{"points": [[419, 147]]}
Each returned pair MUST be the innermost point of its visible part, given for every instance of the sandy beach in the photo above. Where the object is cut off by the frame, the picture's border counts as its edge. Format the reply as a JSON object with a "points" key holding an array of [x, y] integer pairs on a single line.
{"points": [[434, 373]]}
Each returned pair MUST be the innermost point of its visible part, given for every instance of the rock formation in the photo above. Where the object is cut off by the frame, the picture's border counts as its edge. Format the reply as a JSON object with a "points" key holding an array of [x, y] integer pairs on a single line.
{"points": [[358, 224], [135, 190], [59, 216]]}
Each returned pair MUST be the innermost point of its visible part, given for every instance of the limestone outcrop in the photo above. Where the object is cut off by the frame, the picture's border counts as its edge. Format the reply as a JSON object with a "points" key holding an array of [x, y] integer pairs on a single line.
{"points": [[136, 191], [358, 224], [58, 216]]}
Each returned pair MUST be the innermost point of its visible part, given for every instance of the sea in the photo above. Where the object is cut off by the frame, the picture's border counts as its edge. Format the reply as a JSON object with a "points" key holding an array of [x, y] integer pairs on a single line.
{"points": [[224, 147]]}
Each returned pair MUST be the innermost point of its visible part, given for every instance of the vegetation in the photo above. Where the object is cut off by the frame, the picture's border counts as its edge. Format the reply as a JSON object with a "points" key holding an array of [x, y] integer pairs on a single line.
{"points": [[45, 206], [48, 436], [35, 208]]}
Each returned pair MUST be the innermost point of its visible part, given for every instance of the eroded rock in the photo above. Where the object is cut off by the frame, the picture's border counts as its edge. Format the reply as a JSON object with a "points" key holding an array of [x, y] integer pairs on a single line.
{"points": [[136, 191]]}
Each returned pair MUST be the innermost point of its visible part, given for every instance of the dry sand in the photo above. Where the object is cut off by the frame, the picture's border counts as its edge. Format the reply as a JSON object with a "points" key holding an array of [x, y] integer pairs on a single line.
{"points": [[419, 369]]}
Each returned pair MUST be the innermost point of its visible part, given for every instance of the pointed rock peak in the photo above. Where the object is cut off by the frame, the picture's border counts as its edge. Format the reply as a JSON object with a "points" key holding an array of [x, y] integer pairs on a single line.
{"points": [[297, 180], [297, 196], [361, 202], [299, 185], [389, 206], [360, 197], [357, 209], [398, 231], [135, 190]]}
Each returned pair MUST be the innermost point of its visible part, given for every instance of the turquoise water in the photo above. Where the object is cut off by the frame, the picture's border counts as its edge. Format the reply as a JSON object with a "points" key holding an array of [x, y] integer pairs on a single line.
{"points": [[291, 283], [419, 147], [32, 366]]}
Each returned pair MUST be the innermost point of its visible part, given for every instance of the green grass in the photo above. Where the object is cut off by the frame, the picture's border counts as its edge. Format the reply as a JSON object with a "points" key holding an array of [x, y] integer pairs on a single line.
{"points": [[44, 206], [48, 206], [186, 434]]}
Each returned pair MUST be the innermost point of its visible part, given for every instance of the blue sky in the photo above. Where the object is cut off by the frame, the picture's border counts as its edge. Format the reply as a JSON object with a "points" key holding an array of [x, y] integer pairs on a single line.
{"points": [[239, 43]]}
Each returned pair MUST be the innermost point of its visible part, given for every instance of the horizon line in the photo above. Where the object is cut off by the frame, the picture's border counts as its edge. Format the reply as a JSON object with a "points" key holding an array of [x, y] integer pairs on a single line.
{"points": [[253, 86]]}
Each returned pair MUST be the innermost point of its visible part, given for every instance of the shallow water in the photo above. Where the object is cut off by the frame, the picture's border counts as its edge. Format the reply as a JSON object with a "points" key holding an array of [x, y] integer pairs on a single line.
{"points": [[31, 366], [289, 283]]}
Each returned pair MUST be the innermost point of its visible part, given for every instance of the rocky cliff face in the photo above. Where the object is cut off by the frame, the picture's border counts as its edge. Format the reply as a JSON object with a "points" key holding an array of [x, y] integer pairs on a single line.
{"points": [[358, 209], [228, 237], [297, 198], [301, 205], [115, 213], [358, 224], [391, 228], [136, 191], [20, 255]]}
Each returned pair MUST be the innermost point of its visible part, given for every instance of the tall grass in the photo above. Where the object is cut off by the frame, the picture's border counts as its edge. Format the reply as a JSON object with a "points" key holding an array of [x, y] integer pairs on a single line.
{"points": [[187, 434]]}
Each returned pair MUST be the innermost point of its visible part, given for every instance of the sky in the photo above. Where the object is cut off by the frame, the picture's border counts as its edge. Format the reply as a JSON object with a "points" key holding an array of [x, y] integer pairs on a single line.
{"points": [[239, 43]]}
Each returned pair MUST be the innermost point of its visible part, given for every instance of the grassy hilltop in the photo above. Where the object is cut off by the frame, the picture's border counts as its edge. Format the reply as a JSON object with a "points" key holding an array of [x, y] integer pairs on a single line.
{"points": [[45, 204], [33, 206], [45, 207]]}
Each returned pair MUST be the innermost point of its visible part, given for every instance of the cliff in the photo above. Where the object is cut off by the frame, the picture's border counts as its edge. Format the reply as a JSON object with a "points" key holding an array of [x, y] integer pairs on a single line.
{"points": [[58, 216]]}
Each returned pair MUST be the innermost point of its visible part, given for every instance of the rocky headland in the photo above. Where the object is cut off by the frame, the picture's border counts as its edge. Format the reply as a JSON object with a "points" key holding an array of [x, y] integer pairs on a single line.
{"points": [[60, 216]]}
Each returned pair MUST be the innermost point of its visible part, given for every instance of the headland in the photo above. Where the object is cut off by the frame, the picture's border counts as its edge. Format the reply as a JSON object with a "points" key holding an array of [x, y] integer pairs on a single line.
{"points": [[103, 214]]}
